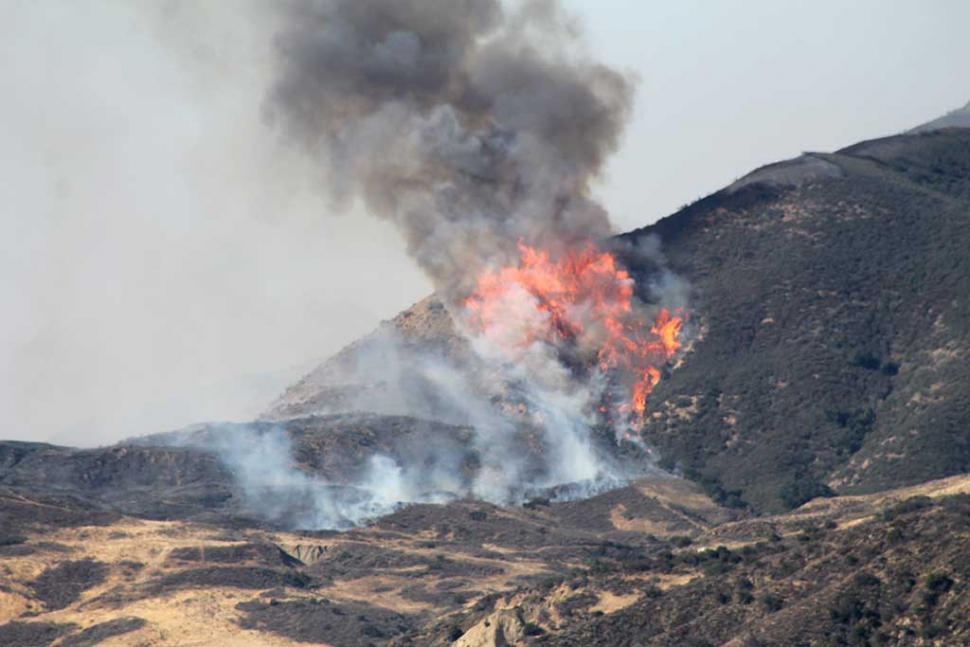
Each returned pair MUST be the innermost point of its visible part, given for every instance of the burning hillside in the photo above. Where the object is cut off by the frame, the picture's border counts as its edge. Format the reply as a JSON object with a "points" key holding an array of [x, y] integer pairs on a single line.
{"points": [[581, 303], [477, 128]]}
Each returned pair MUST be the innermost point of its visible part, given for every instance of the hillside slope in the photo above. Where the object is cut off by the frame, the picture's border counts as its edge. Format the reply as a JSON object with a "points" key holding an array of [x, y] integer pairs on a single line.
{"points": [[655, 563], [73, 575], [376, 373], [959, 118], [830, 293], [834, 305]]}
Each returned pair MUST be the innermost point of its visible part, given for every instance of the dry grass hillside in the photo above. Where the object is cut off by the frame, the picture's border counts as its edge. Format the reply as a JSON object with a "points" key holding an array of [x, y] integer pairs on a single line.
{"points": [[467, 573]]}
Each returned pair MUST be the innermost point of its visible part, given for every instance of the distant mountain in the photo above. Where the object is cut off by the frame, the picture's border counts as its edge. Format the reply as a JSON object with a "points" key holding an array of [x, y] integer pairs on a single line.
{"points": [[831, 296], [957, 119]]}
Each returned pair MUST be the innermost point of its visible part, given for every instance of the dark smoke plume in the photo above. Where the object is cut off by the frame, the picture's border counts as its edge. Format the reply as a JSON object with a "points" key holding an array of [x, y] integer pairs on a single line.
{"points": [[469, 124]]}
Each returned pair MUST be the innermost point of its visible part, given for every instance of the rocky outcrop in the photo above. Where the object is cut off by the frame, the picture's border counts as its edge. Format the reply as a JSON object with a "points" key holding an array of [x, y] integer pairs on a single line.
{"points": [[503, 628]]}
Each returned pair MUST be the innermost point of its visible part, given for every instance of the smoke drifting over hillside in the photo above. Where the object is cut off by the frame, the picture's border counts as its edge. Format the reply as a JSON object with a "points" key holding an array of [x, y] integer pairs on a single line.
{"points": [[343, 470], [477, 128]]}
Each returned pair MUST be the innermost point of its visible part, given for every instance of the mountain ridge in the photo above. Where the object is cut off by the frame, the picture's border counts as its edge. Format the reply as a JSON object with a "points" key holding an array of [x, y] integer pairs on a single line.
{"points": [[840, 261], [959, 118]]}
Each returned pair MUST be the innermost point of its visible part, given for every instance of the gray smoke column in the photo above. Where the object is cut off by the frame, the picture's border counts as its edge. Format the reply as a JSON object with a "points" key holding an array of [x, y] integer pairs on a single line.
{"points": [[468, 123], [474, 126]]}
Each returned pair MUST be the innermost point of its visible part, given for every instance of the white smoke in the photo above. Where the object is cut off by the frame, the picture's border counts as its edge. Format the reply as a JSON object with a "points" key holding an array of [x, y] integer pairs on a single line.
{"points": [[274, 488]]}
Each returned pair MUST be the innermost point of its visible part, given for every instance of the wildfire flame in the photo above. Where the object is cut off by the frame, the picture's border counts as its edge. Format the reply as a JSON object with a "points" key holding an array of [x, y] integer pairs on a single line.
{"points": [[585, 298]]}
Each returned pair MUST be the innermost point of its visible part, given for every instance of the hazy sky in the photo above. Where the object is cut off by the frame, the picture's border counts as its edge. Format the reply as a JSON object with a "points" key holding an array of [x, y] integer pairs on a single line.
{"points": [[165, 259]]}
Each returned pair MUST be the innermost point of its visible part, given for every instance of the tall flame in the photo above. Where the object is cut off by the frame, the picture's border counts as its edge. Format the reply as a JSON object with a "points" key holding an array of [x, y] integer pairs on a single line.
{"points": [[584, 301]]}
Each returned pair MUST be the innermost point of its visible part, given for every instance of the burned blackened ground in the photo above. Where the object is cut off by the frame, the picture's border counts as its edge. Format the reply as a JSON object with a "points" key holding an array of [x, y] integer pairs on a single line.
{"points": [[62, 585], [20, 514], [277, 474], [342, 625], [184, 475], [32, 634], [264, 554], [159, 483], [99, 633]]}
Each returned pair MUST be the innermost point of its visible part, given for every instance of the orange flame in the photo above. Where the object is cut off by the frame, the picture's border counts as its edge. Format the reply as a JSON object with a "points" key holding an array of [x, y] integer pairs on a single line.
{"points": [[583, 297]]}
